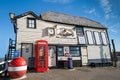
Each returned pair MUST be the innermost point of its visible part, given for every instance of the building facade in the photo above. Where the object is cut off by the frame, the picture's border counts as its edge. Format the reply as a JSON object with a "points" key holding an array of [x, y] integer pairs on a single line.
{"points": [[84, 39]]}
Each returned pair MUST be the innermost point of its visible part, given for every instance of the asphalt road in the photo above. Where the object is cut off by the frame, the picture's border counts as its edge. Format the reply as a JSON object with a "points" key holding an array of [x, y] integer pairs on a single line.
{"points": [[81, 73]]}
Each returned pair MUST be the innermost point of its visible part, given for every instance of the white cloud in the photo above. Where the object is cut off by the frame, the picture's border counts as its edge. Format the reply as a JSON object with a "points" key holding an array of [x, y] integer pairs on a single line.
{"points": [[92, 11], [106, 6], [114, 28], [58, 1]]}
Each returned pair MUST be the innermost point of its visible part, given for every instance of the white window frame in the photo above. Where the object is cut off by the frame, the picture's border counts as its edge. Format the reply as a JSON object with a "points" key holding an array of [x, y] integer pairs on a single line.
{"points": [[97, 38], [31, 23], [90, 38], [80, 35], [104, 38]]}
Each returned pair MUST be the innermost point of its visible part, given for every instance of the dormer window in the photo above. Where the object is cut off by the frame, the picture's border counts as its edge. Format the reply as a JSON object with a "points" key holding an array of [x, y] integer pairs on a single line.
{"points": [[31, 23]]}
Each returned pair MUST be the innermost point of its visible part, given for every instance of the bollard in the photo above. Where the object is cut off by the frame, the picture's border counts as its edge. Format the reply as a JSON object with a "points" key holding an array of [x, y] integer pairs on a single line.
{"points": [[70, 63]]}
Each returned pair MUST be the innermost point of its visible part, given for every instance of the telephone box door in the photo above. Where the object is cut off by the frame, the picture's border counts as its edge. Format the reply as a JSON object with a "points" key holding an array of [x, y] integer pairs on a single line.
{"points": [[41, 58]]}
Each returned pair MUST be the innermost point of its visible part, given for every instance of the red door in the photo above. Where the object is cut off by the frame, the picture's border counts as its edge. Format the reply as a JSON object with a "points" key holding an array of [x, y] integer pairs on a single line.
{"points": [[41, 57]]}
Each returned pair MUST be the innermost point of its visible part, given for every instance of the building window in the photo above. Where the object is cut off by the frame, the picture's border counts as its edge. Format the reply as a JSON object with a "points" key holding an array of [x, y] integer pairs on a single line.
{"points": [[80, 34], [104, 38], [90, 37], [79, 31], [74, 51], [97, 38], [60, 51], [31, 23]]}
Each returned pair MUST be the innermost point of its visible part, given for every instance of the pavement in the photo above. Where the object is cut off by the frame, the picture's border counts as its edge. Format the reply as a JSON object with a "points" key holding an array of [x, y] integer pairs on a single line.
{"points": [[80, 73]]}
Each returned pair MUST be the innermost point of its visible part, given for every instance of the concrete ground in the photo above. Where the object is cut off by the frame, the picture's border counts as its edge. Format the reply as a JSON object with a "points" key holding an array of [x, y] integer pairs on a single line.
{"points": [[81, 73]]}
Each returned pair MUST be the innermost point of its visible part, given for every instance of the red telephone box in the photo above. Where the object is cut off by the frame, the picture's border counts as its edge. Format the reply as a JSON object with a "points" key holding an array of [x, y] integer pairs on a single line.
{"points": [[41, 57]]}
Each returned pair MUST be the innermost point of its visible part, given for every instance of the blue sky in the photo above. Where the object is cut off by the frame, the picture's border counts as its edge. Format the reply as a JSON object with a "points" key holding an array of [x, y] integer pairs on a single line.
{"points": [[106, 12]]}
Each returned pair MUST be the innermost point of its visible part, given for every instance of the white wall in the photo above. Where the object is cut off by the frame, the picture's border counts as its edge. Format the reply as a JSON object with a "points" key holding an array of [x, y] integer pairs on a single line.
{"points": [[98, 52], [27, 35]]}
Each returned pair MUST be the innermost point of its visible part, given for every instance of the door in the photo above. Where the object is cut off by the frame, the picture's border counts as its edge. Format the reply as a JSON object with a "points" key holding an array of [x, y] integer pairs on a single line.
{"points": [[84, 56], [27, 49], [52, 56]]}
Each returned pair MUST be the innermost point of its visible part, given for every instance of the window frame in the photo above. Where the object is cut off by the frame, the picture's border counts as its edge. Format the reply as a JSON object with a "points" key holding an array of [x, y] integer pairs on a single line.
{"points": [[22, 48], [28, 24], [62, 51], [80, 35], [92, 37], [74, 50], [105, 36], [96, 39]]}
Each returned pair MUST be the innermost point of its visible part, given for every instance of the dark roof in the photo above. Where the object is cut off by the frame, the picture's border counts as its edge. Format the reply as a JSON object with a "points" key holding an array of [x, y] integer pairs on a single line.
{"points": [[68, 19], [27, 13]]}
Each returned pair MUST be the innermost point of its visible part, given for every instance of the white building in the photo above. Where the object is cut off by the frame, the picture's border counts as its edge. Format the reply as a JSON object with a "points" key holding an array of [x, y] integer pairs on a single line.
{"points": [[86, 40]]}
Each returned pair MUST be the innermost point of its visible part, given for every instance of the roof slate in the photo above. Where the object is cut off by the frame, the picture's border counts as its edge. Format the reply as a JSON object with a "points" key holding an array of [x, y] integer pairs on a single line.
{"points": [[68, 19]]}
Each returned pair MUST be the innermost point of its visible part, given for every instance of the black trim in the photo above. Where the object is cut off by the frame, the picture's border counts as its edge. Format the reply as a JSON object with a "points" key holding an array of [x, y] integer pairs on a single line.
{"points": [[25, 14], [63, 45], [16, 31], [27, 43], [34, 23]]}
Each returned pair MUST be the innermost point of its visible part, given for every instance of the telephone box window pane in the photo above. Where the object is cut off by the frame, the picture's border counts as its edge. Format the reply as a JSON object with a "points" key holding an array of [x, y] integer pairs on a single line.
{"points": [[104, 40], [42, 51], [97, 38], [60, 51], [90, 37]]}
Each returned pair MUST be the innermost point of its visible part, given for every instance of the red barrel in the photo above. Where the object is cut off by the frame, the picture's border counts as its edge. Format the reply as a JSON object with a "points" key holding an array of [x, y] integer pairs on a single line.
{"points": [[17, 68]]}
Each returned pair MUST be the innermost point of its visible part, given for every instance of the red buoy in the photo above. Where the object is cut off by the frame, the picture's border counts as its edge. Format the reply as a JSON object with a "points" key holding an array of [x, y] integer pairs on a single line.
{"points": [[17, 68]]}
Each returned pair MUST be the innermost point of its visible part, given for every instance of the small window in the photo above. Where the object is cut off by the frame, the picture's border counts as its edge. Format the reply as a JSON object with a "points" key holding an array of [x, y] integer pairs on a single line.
{"points": [[104, 39], [79, 31], [60, 51], [90, 37], [97, 38], [31, 23], [80, 34], [75, 51]]}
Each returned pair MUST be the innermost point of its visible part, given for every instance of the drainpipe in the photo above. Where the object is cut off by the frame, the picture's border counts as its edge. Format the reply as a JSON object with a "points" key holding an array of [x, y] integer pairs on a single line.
{"points": [[114, 54]]}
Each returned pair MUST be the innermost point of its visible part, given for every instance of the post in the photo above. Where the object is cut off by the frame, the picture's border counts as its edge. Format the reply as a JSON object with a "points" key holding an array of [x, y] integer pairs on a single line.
{"points": [[114, 54], [70, 62], [5, 65]]}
